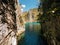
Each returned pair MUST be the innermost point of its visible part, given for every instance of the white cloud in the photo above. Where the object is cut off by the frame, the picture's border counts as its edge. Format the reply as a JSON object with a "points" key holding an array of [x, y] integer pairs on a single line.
{"points": [[22, 10], [23, 6]]}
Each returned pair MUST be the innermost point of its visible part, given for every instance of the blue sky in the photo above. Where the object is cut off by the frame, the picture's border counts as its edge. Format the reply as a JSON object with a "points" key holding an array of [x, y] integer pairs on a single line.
{"points": [[29, 4]]}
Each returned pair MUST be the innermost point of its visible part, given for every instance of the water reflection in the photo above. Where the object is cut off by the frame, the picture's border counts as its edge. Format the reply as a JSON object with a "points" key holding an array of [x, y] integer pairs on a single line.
{"points": [[32, 33]]}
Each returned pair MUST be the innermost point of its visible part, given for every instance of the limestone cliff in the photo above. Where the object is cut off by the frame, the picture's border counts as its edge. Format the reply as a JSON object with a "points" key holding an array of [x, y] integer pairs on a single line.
{"points": [[31, 14], [8, 26]]}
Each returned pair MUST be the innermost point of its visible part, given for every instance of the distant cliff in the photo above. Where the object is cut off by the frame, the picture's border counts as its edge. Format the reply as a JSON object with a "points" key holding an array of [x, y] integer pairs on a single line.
{"points": [[33, 13]]}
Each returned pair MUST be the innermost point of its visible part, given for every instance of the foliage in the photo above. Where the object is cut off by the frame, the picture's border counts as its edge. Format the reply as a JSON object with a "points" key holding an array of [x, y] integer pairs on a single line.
{"points": [[50, 20]]}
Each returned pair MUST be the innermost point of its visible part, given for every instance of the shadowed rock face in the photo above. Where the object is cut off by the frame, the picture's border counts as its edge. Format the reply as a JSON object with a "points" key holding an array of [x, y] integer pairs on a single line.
{"points": [[50, 27], [7, 21]]}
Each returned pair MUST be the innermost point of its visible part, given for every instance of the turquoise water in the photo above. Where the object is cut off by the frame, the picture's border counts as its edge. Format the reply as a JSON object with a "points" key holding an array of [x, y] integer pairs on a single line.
{"points": [[32, 33]]}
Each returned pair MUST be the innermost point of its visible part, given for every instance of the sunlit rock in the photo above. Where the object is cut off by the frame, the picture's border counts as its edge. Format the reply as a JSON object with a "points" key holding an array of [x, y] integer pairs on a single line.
{"points": [[8, 27]]}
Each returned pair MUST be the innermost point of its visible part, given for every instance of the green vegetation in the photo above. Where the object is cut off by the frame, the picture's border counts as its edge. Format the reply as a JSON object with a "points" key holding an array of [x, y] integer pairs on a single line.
{"points": [[50, 21]]}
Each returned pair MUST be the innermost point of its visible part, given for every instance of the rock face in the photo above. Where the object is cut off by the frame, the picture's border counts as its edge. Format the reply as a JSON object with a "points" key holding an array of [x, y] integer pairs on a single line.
{"points": [[50, 22], [18, 12], [31, 15], [8, 26]]}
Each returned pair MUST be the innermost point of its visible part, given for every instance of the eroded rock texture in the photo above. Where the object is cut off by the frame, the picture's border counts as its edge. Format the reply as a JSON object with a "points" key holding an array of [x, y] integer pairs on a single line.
{"points": [[50, 22], [7, 22]]}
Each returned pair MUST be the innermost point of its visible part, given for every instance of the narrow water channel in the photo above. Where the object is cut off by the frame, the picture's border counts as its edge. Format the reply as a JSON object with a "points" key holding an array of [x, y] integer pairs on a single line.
{"points": [[32, 33]]}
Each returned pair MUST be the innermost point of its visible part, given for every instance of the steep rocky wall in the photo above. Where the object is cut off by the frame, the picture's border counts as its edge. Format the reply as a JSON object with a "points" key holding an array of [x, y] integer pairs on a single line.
{"points": [[50, 22], [8, 26]]}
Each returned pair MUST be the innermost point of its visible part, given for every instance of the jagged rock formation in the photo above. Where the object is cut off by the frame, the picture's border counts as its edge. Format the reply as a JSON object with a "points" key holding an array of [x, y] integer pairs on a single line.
{"points": [[19, 21], [8, 26], [31, 14], [18, 12]]}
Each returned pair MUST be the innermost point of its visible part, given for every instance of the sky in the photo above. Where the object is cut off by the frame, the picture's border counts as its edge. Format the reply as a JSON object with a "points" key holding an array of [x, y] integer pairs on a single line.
{"points": [[28, 4]]}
